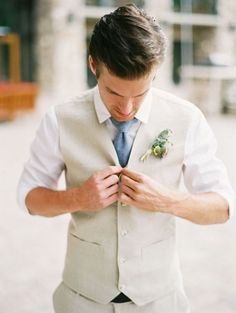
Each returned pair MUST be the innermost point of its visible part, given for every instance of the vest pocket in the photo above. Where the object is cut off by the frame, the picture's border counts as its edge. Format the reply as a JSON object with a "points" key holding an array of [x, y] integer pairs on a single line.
{"points": [[83, 261], [81, 256], [84, 240]]}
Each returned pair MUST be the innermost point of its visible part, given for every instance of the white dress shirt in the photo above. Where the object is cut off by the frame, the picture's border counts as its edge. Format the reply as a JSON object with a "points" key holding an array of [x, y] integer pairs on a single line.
{"points": [[202, 172]]}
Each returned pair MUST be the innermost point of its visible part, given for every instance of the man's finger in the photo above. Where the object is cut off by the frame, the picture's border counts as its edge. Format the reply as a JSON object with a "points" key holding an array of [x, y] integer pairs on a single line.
{"points": [[112, 190], [110, 170], [111, 180], [113, 198], [128, 191], [127, 181], [125, 199], [138, 177]]}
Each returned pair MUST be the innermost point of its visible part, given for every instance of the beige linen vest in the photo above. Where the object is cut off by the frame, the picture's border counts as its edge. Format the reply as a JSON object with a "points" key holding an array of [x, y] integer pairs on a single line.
{"points": [[122, 248]]}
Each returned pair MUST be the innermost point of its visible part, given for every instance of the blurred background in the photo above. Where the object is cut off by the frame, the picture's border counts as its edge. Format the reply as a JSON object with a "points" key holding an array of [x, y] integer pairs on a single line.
{"points": [[43, 62]]}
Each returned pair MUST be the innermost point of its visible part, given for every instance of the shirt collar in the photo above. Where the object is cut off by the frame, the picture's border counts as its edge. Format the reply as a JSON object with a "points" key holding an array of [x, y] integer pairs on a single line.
{"points": [[103, 114]]}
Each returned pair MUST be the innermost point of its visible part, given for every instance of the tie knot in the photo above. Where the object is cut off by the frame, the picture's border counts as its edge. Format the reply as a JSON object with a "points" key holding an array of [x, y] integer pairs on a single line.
{"points": [[123, 126]]}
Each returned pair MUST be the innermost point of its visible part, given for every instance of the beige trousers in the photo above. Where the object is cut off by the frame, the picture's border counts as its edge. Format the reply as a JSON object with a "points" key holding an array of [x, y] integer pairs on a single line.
{"points": [[66, 300]]}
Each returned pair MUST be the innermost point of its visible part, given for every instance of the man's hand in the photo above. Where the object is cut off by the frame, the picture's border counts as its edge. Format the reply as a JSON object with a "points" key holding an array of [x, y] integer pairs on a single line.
{"points": [[96, 193], [99, 191], [141, 191]]}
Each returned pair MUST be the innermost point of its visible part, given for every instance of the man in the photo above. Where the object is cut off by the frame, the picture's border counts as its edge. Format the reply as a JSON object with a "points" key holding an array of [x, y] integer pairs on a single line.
{"points": [[121, 254]]}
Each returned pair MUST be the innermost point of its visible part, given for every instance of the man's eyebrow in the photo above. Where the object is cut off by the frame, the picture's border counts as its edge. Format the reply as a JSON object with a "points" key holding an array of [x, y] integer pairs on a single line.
{"points": [[110, 90]]}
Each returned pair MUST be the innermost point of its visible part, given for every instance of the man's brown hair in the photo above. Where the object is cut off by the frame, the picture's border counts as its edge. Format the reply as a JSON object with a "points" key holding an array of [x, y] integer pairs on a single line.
{"points": [[128, 42]]}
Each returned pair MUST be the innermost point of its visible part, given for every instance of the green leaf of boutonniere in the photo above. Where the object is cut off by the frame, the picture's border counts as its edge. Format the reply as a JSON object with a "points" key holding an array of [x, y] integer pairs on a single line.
{"points": [[160, 145]]}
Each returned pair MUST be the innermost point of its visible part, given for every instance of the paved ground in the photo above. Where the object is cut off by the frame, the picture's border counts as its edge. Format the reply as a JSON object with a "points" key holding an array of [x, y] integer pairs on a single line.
{"points": [[32, 248]]}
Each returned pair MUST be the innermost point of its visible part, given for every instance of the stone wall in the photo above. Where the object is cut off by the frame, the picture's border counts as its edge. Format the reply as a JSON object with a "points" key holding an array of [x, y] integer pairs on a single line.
{"points": [[61, 47]]}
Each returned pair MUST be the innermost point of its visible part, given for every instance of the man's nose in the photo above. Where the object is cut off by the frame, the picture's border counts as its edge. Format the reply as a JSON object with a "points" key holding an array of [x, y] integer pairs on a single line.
{"points": [[127, 105]]}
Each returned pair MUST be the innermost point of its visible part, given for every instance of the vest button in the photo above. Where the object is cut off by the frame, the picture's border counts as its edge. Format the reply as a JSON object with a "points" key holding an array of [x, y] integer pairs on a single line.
{"points": [[122, 260], [124, 232], [122, 287]]}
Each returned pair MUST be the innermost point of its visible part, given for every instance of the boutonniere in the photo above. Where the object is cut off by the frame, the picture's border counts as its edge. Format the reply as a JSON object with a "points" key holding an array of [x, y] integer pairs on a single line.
{"points": [[160, 145]]}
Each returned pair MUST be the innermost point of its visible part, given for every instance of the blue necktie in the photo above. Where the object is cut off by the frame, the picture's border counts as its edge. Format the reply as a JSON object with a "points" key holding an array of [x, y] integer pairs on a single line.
{"points": [[123, 142]]}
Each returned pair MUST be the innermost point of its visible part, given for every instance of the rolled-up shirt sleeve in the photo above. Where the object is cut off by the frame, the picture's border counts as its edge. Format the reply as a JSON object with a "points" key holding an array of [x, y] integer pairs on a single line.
{"points": [[203, 171], [45, 163]]}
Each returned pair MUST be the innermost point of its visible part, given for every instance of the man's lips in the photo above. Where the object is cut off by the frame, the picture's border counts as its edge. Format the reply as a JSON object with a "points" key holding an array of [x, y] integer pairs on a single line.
{"points": [[124, 114]]}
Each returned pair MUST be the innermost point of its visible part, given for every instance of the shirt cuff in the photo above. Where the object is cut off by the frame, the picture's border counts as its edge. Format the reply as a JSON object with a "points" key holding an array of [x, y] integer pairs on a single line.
{"points": [[22, 192]]}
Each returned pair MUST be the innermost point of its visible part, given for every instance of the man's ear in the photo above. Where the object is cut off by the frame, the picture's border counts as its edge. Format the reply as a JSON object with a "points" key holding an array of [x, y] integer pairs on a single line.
{"points": [[92, 65]]}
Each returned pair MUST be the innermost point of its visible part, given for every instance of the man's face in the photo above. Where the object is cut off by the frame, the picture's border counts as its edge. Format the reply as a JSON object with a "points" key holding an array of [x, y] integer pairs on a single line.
{"points": [[123, 97]]}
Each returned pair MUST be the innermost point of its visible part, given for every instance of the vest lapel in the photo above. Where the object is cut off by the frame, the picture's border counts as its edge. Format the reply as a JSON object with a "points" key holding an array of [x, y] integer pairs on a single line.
{"points": [[141, 138], [107, 143], [146, 135]]}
